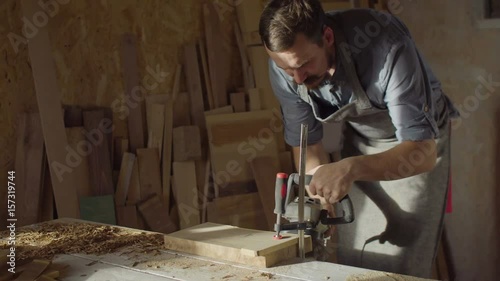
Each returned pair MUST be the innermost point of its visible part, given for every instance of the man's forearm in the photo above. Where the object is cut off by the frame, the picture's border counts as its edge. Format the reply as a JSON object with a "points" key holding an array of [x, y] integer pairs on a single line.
{"points": [[404, 160], [315, 156]]}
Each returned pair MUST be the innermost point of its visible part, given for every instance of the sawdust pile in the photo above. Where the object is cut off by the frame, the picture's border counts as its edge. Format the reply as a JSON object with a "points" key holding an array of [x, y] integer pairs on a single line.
{"points": [[48, 239]]}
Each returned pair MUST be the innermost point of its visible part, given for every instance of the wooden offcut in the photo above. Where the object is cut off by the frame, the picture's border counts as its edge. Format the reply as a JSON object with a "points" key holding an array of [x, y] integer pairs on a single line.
{"points": [[156, 215], [215, 53], [240, 245], [264, 172], [97, 129], [48, 97], [80, 150], [136, 117], [156, 127], [193, 82], [186, 193], [149, 172], [238, 101], [134, 189], [187, 145], [123, 184]]}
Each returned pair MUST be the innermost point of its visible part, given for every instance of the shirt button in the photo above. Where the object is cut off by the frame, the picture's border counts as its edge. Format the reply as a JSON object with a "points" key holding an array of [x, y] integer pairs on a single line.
{"points": [[426, 108]]}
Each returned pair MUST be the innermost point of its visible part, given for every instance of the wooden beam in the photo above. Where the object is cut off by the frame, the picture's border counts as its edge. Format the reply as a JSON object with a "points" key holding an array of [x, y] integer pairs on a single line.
{"points": [[217, 60], [123, 185], [136, 118], [264, 172], [206, 75], [186, 193], [193, 82], [97, 130], [187, 145], [48, 96], [30, 163], [149, 172]]}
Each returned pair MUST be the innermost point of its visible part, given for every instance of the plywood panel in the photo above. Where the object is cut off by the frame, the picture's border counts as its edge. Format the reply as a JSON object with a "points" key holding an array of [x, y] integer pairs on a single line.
{"points": [[247, 246]]}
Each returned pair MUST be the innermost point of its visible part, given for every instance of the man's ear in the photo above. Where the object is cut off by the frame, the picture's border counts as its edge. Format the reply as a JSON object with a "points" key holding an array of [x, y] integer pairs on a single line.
{"points": [[328, 37]]}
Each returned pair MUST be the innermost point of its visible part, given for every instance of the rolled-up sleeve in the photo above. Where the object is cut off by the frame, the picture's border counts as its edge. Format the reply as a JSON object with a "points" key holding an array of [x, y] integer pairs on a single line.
{"points": [[295, 111], [408, 96]]}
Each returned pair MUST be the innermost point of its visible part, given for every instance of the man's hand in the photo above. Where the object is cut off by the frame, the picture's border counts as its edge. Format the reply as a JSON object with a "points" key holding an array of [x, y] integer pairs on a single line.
{"points": [[331, 181]]}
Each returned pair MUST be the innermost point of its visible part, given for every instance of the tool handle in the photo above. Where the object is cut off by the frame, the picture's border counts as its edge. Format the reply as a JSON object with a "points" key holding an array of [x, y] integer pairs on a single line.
{"points": [[348, 210], [280, 193], [347, 213]]}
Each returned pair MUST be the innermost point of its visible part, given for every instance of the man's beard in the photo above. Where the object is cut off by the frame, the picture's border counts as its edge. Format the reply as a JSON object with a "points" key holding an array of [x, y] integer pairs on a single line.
{"points": [[313, 81]]}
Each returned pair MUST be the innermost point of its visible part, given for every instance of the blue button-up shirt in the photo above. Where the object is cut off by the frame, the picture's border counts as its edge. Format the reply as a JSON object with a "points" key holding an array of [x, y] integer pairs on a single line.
{"points": [[389, 67]]}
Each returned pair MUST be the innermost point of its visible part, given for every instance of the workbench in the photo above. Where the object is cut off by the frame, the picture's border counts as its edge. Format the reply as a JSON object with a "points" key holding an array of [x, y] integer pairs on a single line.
{"points": [[137, 263]]}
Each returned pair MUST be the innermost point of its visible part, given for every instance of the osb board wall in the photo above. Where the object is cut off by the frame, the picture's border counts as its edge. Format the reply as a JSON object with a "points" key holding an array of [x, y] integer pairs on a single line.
{"points": [[462, 56], [86, 42]]}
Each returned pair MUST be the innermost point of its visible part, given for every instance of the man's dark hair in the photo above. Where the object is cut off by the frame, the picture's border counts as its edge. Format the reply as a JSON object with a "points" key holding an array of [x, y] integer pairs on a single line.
{"points": [[282, 20]]}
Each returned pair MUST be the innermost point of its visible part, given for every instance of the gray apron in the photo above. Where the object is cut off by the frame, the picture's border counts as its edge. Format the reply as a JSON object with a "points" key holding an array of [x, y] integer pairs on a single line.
{"points": [[398, 223]]}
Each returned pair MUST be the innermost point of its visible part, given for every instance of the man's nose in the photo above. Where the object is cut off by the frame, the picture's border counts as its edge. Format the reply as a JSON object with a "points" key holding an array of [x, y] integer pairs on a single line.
{"points": [[299, 75]]}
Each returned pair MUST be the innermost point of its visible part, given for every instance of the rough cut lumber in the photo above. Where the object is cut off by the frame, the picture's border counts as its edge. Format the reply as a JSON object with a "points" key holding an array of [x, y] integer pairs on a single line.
{"points": [[127, 216], [217, 60], [30, 167], [206, 75], [80, 162], [193, 81], [238, 101], [156, 215], [123, 185], [181, 113], [97, 129], [48, 96], [187, 145], [264, 172], [156, 127], [254, 100], [136, 117], [149, 172], [186, 193], [220, 110], [242, 210], [259, 61], [121, 146], [134, 190], [230, 243]]}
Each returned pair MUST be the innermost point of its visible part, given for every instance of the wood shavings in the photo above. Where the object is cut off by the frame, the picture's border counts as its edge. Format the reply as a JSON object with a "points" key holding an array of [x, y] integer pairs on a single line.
{"points": [[48, 239]]}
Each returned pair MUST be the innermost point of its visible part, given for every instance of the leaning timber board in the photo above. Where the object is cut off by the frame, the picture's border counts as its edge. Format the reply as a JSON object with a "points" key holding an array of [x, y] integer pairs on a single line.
{"points": [[240, 245]]}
